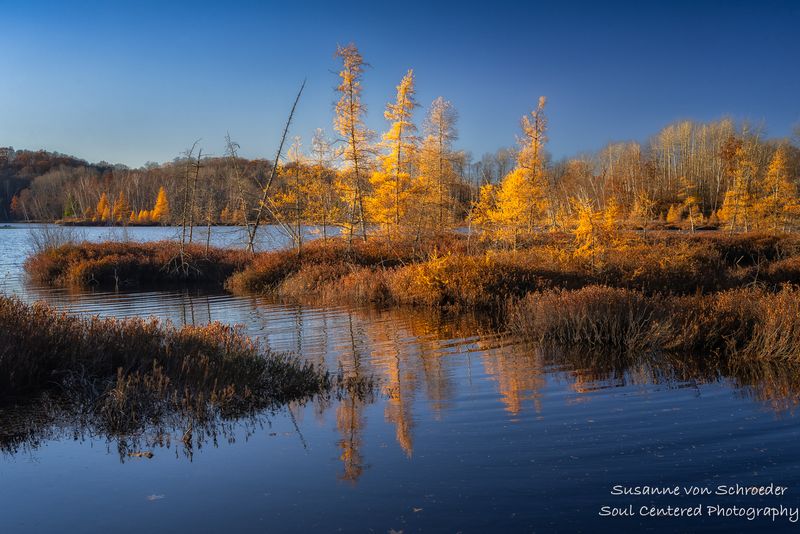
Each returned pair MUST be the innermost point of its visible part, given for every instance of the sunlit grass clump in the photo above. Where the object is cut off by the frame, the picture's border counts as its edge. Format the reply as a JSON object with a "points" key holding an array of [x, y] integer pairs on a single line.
{"points": [[459, 272], [446, 271], [746, 324], [114, 264]]}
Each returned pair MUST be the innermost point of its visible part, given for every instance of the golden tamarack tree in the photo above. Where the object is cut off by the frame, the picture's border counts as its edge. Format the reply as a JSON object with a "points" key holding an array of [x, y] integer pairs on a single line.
{"points": [[779, 206], [349, 123], [160, 212], [596, 230], [719, 174], [520, 202], [437, 175], [388, 203]]}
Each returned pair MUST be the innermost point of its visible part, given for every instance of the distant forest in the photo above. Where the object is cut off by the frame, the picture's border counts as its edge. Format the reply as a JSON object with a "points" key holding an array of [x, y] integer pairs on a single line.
{"points": [[414, 177]]}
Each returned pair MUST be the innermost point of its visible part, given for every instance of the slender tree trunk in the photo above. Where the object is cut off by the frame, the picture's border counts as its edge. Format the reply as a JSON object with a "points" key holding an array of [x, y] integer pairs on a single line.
{"points": [[194, 195], [265, 189]]}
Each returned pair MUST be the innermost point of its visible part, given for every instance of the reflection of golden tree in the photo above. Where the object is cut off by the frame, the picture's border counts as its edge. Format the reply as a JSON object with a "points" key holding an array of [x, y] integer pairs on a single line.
{"points": [[392, 338], [519, 376], [398, 408], [349, 418], [350, 422], [408, 351]]}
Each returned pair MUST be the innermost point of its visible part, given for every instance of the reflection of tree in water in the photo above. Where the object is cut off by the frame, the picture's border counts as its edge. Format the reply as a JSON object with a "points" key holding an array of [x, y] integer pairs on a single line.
{"points": [[414, 348], [349, 417], [403, 349], [519, 375], [350, 424], [389, 357]]}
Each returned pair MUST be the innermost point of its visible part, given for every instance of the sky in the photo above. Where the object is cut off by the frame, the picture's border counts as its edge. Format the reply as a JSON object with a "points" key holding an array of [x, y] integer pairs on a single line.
{"points": [[131, 82]]}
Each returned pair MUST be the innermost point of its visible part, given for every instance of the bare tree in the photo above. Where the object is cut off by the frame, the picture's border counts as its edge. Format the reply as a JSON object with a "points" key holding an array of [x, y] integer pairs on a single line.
{"points": [[265, 189]]}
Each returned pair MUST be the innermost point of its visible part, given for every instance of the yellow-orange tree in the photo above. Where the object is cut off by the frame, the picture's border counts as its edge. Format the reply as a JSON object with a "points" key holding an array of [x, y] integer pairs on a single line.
{"points": [[436, 173], [520, 202], [323, 206], [160, 213], [737, 208], [597, 230], [349, 123], [387, 205], [121, 208], [779, 205], [103, 209]]}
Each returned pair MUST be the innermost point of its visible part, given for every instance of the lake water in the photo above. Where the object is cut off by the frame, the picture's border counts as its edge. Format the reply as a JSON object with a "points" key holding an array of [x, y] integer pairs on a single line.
{"points": [[472, 431]]}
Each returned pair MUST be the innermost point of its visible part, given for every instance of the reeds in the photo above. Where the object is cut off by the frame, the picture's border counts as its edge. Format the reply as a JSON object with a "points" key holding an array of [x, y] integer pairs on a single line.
{"points": [[594, 317], [131, 372], [130, 265], [744, 325], [319, 263], [448, 272]]}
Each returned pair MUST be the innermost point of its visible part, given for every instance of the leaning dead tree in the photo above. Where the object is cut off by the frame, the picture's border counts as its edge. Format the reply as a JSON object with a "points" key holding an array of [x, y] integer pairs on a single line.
{"points": [[263, 204]]}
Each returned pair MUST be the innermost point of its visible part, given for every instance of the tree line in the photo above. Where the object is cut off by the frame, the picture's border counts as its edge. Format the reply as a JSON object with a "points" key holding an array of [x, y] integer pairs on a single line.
{"points": [[412, 180]]}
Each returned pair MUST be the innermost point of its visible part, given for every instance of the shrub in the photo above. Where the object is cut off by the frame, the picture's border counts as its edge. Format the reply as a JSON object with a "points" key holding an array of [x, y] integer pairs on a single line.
{"points": [[681, 267], [269, 270]]}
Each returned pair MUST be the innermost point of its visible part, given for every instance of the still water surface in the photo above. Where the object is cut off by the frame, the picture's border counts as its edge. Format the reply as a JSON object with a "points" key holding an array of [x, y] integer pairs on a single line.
{"points": [[472, 431]]}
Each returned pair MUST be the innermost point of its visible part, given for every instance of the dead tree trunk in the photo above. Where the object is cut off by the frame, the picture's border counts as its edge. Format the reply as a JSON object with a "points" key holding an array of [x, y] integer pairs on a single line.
{"points": [[265, 190]]}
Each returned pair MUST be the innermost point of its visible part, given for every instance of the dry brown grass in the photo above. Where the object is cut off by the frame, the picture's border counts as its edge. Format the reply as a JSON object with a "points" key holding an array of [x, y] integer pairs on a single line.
{"points": [[129, 264], [324, 261], [133, 371], [450, 271], [465, 274], [749, 324], [594, 317]]}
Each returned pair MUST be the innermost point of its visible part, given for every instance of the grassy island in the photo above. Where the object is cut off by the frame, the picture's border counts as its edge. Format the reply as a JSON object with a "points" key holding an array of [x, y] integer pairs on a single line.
{"points": [[131, 373], [703, 292]]}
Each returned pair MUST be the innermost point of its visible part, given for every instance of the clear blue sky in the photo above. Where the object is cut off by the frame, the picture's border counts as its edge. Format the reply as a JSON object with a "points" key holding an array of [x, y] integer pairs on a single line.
{"points": [[130, 82]]}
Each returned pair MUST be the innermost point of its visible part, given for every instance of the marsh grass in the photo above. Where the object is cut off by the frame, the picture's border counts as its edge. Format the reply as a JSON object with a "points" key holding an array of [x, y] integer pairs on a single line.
{"points": [[594, 317], [457, 273], [451, 271], [746, 325], [114, 265], [319, 263], [132, 373]]}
